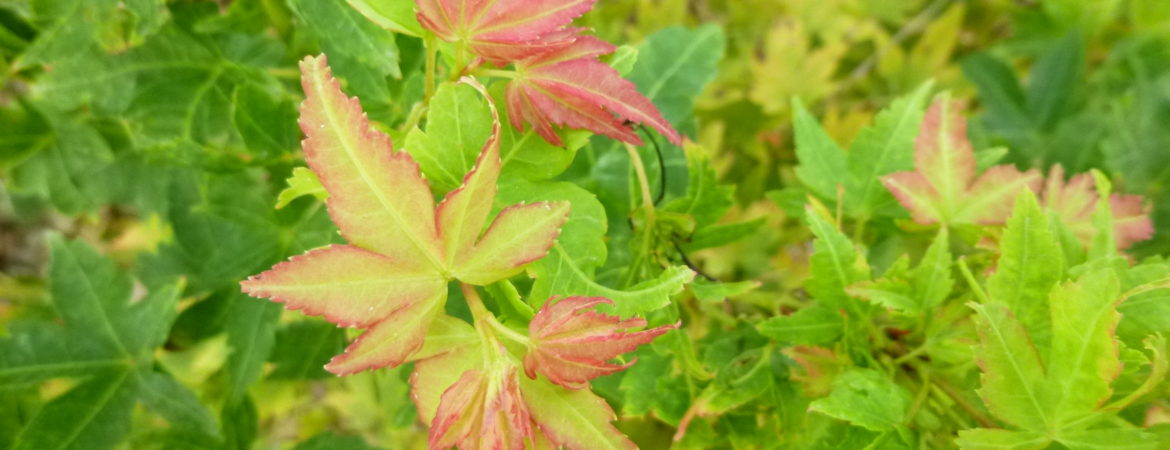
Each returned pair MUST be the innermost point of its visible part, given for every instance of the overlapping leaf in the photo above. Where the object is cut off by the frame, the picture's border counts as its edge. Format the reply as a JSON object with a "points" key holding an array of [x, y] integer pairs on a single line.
{"points": [[559, 79], [503, 30], [571, 344], [570, 86], [1075, 201], [1055, 389], [392, 276], [944, 187]]}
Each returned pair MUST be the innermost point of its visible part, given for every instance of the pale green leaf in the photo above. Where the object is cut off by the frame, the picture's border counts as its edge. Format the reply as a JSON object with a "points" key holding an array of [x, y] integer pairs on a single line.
{"points": [[578, 418], [302, 182], [394, 15], [558, 274], [866, 398], [823, 165], [812, 325], [623, 59], [883, 148], [835, 263], [1013, 381], [1109, 439], [932, 279], [458, 124], [995, 439], [1084, 359], [1030, 263]]}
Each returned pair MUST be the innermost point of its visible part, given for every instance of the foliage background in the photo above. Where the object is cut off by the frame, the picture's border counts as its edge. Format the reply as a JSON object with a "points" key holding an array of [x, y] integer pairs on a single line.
{"points": [[160, 132]]}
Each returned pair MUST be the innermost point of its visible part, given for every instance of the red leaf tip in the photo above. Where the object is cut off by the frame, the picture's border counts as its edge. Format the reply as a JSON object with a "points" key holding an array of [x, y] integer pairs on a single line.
{"points": [[572, 343]]}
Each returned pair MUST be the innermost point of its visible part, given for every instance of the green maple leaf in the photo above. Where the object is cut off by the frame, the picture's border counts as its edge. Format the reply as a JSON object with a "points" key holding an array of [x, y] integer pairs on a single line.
{"points": [[853, 177], [866, 398], [915, 291], [107, 344], [392, 277], [835, 263]]}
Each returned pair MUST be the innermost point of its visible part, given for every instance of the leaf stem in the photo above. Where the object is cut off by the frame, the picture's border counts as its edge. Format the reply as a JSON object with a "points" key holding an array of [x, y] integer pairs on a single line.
{"points": [[482, 316], [644, 181], [431, 62], [975, 287], [509, 74]]}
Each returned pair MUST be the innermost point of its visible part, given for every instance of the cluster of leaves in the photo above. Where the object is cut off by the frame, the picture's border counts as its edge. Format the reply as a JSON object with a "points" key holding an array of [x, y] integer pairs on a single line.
{"points": [[664, 244]]}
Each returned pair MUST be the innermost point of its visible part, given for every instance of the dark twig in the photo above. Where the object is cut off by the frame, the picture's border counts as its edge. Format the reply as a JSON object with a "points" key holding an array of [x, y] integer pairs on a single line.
{"points": [[661, 166], [691, 264]]}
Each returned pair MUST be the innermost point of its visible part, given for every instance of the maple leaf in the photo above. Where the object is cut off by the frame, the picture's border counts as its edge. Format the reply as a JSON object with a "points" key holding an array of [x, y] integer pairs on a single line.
{"points": [[570, 86], [572, 344], [503, 30], [1076, 200], [482, 410], [944, 188], [474, 398], [392, 277]]}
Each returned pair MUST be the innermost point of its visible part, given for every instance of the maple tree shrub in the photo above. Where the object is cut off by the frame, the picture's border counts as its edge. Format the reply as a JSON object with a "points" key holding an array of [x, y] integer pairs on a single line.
{"points": [[478, 224]]}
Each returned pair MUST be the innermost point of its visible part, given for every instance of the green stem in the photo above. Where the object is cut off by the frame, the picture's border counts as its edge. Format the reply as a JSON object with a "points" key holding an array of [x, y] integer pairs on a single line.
{"points": [[975, 287], [509, 74], [432, 50], [648, 209], [482, 316]]}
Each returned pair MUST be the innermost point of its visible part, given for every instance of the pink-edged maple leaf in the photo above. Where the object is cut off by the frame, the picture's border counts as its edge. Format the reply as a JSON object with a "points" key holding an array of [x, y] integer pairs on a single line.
{"points": [[469, 398], [482, 410], [943, 188], [392, 277], [569, 86], [1075, 200], [502, 30], [572, 344]]}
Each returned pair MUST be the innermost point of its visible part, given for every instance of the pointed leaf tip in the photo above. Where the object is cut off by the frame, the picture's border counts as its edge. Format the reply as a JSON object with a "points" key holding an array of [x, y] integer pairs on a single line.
{"points": [[943, 188], [377, 197], [347, 285], [573, 344], [519, 235]]}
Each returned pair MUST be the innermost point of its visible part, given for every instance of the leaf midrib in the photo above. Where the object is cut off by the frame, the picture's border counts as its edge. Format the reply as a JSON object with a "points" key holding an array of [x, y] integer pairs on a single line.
{"points": [[348, 145]]}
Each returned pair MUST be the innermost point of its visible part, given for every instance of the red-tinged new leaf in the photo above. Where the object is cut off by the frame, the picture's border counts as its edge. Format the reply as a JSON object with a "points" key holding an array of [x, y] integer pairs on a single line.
{"points": [[347, 285], [434, 375], [519, 235], [573, 344], [1075, 200], [482, 410], [392, 278], [571, 87], [391, 341], [572, 419], [943, 188], [1131, 219], [376, 197], [502, 30]]}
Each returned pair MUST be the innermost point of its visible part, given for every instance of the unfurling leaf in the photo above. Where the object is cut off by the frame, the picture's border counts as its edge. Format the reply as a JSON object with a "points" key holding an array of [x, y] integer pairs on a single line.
{"points": [[392, 276], [482, 410], [1076, 200], [503, 30], [559, 79], [572, 344], [570, 86], [944, 188]]}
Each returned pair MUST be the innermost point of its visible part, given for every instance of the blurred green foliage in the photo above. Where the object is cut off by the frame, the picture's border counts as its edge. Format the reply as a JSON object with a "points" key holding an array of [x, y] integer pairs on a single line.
{"points": [[144, 143]]}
